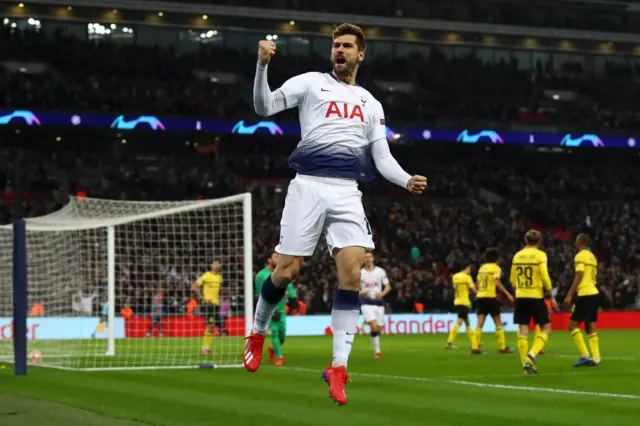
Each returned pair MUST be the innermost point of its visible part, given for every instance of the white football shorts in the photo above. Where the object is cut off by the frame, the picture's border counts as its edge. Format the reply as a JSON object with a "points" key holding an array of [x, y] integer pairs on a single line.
{"points": [[373, 313], [316, 205]]}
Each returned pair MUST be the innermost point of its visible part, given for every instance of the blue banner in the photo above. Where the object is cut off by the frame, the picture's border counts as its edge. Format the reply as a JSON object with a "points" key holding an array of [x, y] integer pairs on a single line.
{"points": [[61, 328], [250, 127]]}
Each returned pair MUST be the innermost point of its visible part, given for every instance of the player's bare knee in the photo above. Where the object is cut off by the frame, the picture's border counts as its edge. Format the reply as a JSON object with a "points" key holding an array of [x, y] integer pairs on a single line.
{"points": [[286, 270], [349, 279]]}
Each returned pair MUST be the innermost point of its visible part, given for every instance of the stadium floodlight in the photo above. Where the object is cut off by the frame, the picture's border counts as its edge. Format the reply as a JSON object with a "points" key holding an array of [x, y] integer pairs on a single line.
{"points": [[127, 253]]}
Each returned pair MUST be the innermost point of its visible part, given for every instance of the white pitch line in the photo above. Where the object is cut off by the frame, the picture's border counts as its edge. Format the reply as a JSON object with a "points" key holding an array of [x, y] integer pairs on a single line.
{"points": [[477, 384], [550, 390], [499, 376]]}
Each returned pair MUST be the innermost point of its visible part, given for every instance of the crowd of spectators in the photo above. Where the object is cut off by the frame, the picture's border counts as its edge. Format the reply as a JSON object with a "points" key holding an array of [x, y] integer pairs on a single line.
{"points": [[92, 75], [476, 199]]}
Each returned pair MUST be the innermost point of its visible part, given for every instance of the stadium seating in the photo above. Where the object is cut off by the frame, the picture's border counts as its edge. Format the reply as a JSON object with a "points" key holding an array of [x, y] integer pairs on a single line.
{"points": [[106, 76], [477, 199]]}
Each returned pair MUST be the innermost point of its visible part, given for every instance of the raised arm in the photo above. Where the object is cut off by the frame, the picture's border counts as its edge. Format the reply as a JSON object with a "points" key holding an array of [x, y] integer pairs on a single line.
{"points": [[387, 165], [384, 161], [266, 102]]}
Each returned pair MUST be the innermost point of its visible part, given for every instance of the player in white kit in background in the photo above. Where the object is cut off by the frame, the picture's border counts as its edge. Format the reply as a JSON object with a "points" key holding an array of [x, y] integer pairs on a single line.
{"points": [[374, 286], [343, 136]]}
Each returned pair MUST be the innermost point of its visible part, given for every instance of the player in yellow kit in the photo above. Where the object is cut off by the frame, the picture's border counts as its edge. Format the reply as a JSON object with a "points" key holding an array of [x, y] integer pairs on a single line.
{"points": [[462, 285], [489, 276], [585, 306], [530, 277], [207, 288]]}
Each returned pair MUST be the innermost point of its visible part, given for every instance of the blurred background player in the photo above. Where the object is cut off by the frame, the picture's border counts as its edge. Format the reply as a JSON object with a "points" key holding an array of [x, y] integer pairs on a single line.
{"points": [[278, 323], [104, 319], [536, 327], [207, 288], [157, 308], [487, 303], [462, 285], [374, 285], [530, 277], [585, 306], [343, 136]]}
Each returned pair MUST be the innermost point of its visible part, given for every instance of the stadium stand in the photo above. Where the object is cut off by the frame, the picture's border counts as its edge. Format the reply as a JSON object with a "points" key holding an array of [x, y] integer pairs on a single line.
{"points": [[477, 199], [474, 86]]}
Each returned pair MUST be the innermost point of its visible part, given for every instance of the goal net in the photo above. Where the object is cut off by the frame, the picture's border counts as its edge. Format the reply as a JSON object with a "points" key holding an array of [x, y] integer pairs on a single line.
{"points": [[111, 284]]}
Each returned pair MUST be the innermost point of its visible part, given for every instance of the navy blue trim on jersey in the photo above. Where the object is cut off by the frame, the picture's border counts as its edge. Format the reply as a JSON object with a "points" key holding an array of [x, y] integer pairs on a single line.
{"points": [[347, 172], [375, 302], [338, 80], [326, 160]]}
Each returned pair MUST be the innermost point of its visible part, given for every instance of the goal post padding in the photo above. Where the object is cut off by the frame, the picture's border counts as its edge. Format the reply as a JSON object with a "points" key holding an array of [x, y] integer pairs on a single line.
{"points": [[94, 251]]}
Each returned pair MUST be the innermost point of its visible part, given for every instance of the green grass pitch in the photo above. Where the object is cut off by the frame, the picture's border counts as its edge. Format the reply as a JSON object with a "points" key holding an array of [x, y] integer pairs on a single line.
{"points": [[417, 382]]}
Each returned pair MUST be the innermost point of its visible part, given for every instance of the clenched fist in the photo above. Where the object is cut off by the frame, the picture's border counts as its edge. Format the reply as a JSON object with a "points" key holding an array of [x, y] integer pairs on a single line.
{"points": [[417, 184], [266, 50]]}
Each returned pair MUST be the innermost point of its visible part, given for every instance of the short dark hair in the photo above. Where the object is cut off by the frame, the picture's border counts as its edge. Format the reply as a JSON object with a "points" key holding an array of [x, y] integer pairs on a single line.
{"points": [[350, 29], [462, 266], [584, 239], [491, 255], [532, 237]]}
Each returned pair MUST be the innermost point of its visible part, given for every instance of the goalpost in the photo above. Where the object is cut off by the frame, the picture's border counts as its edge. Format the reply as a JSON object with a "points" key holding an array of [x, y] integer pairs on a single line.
{"points": [[143, 259]]}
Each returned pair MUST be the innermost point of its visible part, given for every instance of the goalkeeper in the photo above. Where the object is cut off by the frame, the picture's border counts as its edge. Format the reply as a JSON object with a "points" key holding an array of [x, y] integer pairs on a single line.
{"points": [[278, 323], [104, 319]]}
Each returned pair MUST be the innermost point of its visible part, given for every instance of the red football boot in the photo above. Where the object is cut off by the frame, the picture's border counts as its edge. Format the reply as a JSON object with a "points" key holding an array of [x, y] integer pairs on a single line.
{"points": [[253, 352], [378, 355], [280, 362], [337, 379]]}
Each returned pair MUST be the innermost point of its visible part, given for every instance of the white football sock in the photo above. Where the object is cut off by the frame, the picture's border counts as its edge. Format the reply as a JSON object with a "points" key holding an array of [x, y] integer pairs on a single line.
{"points": [[264, 312], [344, 322], [376, 343]]}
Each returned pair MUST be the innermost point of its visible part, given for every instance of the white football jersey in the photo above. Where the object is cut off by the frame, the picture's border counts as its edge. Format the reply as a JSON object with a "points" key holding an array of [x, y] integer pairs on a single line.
{"points": [[338, 122], [373, 281]]}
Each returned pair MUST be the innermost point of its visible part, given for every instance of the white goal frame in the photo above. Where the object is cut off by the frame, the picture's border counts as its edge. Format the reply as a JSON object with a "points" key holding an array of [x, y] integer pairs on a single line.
{"points": [[59, 222]]}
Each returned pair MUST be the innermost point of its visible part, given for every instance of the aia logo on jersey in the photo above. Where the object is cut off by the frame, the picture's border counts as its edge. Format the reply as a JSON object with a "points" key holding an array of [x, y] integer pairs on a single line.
{"points": [[370, 284], [345, 111]]}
